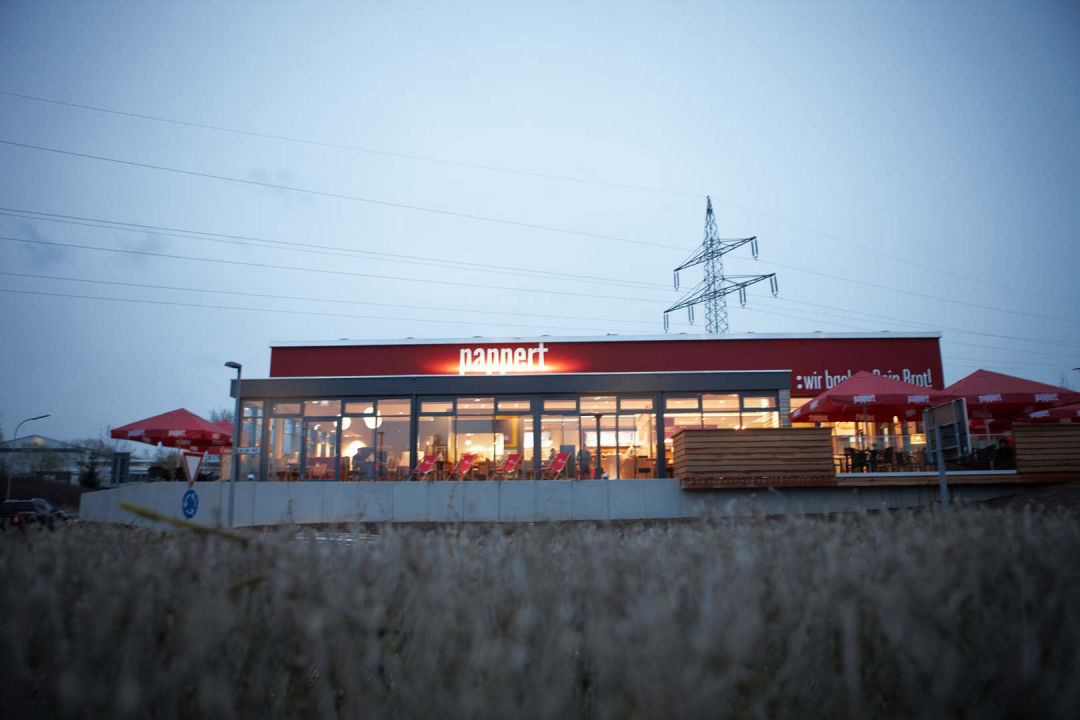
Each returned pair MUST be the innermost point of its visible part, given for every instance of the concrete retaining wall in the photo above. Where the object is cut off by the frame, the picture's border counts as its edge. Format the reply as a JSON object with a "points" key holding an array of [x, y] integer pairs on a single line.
{"points": [[271, 503]]}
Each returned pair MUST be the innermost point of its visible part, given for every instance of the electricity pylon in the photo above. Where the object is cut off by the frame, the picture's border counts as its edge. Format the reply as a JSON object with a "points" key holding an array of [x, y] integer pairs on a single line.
{"points": [[714, 289]]}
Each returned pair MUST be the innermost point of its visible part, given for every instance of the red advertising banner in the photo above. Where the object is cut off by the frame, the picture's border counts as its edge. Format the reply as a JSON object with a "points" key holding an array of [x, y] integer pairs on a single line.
{"points": [[816, 363]]}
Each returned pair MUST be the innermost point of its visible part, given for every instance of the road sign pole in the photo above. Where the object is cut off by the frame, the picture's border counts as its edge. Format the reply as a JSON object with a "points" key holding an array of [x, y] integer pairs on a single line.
{"points": [[942, 478]]}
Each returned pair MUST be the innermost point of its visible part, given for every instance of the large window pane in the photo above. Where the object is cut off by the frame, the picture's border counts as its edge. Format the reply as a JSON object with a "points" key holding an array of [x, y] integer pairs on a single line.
{"points": [[688, 402], [635, 403], [758, 402], [720, 420], [322, 408], [637, 445], [251, 427], [320, 450], [557, 405], [286, 408], [475, 435], [392, 446], [437, 406], [514, 405], [597, 404], [761, 419], [720, 402], [476, 406], [284, 453], [434, 436], [561, 434], [357, 448], [509, 440]]}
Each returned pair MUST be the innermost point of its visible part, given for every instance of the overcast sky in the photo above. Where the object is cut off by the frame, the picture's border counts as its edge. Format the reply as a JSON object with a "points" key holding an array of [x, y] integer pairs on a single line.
{"points": [[906, 166]]}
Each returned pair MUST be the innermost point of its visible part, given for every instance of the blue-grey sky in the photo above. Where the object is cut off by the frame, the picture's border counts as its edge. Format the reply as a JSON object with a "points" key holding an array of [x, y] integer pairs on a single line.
{"points": [[891, 157]]}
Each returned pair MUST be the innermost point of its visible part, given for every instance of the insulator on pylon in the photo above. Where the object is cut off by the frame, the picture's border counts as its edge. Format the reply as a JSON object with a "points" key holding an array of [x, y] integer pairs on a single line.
{"points": [[667, 324], [676, 279], [690, 312], [774, 286], [742, 297], [753, 247]]}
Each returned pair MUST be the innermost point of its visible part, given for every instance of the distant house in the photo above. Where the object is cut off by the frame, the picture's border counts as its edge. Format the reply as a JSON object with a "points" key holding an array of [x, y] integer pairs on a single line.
{"points": [[50, 459]]}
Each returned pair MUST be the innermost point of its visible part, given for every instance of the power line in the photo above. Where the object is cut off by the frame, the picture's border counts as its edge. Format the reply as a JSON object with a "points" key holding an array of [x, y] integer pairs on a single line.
{"points": [[352, 148], [165, 231], [418, 208], [346, 273], [276, 296], [524, 173], [889, 256], [337, 196], [914, 293], [276, 311]]}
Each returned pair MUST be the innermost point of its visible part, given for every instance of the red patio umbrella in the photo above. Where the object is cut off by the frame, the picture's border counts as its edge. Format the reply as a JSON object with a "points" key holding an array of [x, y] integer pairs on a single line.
{"points": [[995, 396], [866, 396], [178, 428], [1061, 413]]}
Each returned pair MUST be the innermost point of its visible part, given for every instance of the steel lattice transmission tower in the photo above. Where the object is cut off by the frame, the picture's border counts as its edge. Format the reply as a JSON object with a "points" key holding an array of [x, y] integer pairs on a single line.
{"points": [[714, 289]]}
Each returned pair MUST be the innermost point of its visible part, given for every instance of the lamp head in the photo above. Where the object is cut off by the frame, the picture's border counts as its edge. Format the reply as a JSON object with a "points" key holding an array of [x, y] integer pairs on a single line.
{"points": [[233, 365]]}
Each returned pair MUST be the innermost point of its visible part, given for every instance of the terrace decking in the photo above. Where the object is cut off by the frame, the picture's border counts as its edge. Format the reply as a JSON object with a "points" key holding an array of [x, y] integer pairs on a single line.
{"points": [[802, 457]]}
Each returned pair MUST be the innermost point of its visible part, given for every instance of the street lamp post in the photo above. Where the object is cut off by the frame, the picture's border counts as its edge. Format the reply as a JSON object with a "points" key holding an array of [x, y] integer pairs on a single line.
{"points": [[235, 440], [18, 427]]}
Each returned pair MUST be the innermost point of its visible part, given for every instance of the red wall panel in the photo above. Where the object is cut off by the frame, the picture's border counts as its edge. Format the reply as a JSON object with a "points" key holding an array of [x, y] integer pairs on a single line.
{"points": [[816, 364]]}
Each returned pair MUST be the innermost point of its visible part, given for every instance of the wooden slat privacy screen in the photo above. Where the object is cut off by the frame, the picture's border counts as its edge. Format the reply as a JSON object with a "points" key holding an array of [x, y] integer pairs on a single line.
{"points": [[776, 456], [1047, 448]]}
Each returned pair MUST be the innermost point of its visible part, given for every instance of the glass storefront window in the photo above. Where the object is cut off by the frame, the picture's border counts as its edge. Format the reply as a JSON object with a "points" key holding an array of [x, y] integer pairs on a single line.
{"points": [[761, 419], [758, 402], [634, 403], [395, 406], [322, 408], [287, 408], [434, 436], [720, 420], [251, 427], [637, 445], [476, 406], [357, 448], [597, 404], [284, 451], [437, 406], [514, 405], [359, 407], [557, 405], [720, 402], [561, 434], [391, 446], [691, 402], [509, 439], [320, 450]]}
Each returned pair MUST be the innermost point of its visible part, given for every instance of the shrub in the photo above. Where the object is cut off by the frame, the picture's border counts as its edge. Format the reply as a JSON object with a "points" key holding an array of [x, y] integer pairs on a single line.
{"points": [[970, 613]]}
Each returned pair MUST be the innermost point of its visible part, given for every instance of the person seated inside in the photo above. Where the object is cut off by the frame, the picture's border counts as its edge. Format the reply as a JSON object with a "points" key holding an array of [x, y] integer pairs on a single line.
{"points": [[1005, 457]]}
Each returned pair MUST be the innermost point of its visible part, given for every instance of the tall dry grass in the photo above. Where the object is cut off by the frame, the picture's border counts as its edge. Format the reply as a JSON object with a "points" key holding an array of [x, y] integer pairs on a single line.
{"points": [[971, 614]]}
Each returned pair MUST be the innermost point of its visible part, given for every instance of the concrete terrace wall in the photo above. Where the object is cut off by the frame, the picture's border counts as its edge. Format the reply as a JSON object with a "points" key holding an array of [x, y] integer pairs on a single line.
{"points": [[260, 504]]}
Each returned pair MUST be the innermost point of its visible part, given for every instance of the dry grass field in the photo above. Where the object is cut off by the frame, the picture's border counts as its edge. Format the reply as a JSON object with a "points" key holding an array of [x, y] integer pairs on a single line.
{"points": [[972, 613]]}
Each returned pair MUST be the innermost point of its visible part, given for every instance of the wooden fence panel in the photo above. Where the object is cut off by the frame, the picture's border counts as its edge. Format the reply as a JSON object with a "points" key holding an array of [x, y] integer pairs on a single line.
{"points": [[781, 456], [1047, 448]]}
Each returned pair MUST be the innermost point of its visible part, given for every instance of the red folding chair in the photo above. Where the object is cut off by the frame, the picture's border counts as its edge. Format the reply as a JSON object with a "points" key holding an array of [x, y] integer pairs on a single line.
{"points": [[509, 467], [464, 466], [424, 467], [555, 469]]}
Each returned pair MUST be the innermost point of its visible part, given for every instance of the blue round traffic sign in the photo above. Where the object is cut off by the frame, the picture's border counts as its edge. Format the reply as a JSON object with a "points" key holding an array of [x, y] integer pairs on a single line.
{"points": [[190, 504]]}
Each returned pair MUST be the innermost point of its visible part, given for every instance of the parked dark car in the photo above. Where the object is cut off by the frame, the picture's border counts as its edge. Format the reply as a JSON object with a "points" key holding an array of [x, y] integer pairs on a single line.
{"points": [[21, 513]]}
